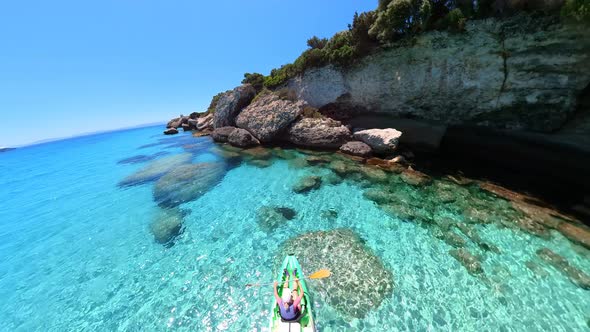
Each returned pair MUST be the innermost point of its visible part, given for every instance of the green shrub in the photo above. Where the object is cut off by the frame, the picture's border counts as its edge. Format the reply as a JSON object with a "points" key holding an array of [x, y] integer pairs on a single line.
{"points": [[256, 79], [401, 17], [577, 10], [317, 43], [455, 20], [359, 32]]}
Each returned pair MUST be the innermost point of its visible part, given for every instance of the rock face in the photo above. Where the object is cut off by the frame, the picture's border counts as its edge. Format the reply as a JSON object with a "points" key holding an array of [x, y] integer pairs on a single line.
{"points": [[515, 73], [187, 182], [166, 226], [156, 169], [348, 290], [231, 103], [268, 115], [380, 140], [242, 138], [221, 135], [356, 148], [318, 133], [205, 122]]}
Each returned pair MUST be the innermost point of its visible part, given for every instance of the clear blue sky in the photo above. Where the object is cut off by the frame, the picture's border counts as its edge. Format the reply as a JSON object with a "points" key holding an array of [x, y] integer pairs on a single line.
{"points": [[71, 67]]}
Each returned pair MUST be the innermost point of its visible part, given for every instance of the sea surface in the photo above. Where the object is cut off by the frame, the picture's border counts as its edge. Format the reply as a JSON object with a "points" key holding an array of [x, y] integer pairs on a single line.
{"points": [[78, 254]]}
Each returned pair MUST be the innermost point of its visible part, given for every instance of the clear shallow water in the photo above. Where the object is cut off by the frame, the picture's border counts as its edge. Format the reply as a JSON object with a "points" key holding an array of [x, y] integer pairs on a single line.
{"points": [[77, 251]]}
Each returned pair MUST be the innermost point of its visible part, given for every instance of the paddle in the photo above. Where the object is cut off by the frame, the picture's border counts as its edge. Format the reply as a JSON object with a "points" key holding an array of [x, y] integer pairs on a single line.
{"points": [[323, 273]]}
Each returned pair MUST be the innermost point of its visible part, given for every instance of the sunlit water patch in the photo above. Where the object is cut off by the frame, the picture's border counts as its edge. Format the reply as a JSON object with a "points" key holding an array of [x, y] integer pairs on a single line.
{"points": [[79, 250]]}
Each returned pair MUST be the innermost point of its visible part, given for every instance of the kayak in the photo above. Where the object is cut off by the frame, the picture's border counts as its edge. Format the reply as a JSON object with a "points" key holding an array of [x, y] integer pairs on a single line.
{"points": [[305, 321]]}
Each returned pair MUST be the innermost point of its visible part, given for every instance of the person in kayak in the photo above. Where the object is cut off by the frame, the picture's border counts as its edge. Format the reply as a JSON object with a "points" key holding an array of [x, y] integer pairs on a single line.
{"points": [[290, 302]]}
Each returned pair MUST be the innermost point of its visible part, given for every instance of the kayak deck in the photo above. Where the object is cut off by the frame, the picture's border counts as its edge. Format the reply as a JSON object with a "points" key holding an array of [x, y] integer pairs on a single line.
{"points": [[305, 323]]}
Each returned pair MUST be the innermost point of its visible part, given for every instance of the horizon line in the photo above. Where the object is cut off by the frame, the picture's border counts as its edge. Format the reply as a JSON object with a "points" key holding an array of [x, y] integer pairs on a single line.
{"points": [[90, 133]]}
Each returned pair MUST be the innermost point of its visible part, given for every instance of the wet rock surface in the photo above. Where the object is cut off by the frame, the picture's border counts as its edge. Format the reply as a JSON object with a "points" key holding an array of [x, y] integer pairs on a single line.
{"points": [[360, 280], [187, 182], [155, 169], [242, 138], [221, 134]]}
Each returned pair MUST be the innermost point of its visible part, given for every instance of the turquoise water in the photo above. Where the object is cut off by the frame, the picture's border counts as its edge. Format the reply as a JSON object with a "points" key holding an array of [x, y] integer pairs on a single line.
{"points": [[78, 254]]}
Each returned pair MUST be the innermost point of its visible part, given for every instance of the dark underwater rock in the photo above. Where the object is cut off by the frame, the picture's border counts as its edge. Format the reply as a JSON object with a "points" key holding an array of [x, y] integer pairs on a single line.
{"points": [[575, 275], [374, 174], [360, 280], [142, 158], [415, 178], [187, 182], [258, 152], [307, 184], [271, 217], [156, 169], [469, 261], [167, 225], [379, 196]]}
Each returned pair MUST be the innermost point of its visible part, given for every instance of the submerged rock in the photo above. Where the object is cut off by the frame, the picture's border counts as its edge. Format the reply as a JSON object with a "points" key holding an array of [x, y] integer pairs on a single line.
{"points": [[357, 148], [469, 261], [156, 169], [360, 280], [415, 178], [271, 217], [453, 239], [343, 168], [329, 214], [142, 158], [307, 184], [380, 140], [259, 153], [472, 234], [536, 269], [242, 138], [374, 174], [379, 196], [284, 154], [187, 182], [319, 133], [167, 225], [231, 103], [562, 265], [269, 115], [298, 163], [260, 163], [317, 160]]}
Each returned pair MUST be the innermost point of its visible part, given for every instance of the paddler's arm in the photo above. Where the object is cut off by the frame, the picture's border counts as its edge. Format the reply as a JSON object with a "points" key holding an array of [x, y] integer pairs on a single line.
{"points": [[300, 290], [277, 298]]}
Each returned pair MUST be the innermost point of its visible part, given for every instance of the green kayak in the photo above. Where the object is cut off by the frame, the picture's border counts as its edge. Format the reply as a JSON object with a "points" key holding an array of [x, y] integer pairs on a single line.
{"points": [[305, 321]]}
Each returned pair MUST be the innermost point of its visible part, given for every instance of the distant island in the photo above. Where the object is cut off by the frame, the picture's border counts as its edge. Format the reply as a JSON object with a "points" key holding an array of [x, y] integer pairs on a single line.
{"points": [[6, 149]]}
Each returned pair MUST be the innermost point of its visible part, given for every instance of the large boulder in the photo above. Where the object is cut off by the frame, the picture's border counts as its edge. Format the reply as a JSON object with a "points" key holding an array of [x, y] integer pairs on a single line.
{"points": [[167, 225], [156, 169], [205, 122], [348, 290], [318, 133], [242, 138], [221, 135], [187, 182], [268, 115], [380, 140], [231, 103], [356, 148]]}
